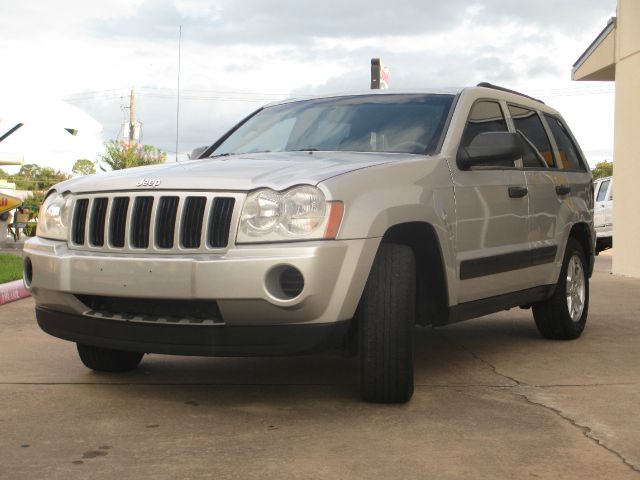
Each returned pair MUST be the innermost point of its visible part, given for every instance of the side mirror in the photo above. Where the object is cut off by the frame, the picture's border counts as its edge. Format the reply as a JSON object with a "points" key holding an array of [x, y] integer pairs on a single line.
{"points": [[196, 152], [489, 147]]}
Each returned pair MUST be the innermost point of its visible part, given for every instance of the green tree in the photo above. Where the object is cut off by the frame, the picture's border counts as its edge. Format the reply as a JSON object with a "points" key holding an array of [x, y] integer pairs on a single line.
{"points": [[121, 155], [33, 203], [603, 169], [84, 167], [35, 178], [26, 177]]}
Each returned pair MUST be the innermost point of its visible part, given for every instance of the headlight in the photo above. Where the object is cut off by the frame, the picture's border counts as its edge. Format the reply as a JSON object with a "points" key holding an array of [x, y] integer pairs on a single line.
{"points": [[301, 213], [55, 217]]}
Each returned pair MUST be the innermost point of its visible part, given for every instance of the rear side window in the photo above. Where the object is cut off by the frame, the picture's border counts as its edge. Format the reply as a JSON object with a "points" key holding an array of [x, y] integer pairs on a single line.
{"points": [[537, 148], [569, 156], [485, 116], [602, 193]]}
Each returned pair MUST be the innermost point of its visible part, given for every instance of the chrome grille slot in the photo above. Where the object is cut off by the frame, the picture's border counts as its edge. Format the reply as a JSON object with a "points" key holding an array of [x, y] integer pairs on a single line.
{"points": [[97, 220], [220, 222], [141, 222], [192, 216], [118, 221], [79, 221], [166, 221]]}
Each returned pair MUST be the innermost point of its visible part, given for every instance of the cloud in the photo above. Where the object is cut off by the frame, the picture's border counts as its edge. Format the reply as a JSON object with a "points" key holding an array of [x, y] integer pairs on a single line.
{"points": [[277, 22], [279, 46], [568, 17], [280, 21]]}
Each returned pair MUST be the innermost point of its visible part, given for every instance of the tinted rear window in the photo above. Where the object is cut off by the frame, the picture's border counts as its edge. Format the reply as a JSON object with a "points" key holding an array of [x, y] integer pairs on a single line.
{"points": [[569, 156]]}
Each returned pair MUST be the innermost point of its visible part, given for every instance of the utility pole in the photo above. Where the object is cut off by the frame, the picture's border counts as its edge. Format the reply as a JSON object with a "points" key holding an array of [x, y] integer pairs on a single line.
{"points": [[132, 119]]}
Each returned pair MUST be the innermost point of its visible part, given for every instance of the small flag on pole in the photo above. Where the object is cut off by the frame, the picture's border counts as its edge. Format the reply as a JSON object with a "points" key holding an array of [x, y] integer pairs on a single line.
{"points": [[379, 75]]}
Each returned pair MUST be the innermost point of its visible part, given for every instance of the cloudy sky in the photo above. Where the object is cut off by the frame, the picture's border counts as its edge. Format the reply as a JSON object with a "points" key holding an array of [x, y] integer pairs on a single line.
{"points": [[72, 63]]}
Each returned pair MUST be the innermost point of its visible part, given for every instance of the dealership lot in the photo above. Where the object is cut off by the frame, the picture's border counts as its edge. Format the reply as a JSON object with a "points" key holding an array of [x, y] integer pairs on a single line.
{"points": [[493, 400]]}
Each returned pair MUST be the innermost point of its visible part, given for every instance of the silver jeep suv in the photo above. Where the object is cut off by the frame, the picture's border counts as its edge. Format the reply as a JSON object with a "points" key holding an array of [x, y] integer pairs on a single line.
{"points": [[333, 221]]}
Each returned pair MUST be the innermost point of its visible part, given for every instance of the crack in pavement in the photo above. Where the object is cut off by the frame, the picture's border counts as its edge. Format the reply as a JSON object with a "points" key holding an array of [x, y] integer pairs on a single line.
{"points": [[586, 431], [481, 360]]}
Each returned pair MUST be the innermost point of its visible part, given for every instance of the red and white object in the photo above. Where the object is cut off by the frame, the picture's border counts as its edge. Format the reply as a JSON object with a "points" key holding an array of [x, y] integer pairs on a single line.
{"points": [[12, 291]]}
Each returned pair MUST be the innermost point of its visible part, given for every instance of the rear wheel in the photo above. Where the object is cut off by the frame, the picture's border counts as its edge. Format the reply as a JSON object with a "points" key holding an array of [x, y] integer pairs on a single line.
{"points": [[386, 318], [108, 360], [564, 315]]}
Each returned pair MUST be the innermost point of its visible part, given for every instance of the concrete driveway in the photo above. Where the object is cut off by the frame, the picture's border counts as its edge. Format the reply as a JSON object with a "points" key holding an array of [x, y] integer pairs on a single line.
{"points": [[493, 400]]}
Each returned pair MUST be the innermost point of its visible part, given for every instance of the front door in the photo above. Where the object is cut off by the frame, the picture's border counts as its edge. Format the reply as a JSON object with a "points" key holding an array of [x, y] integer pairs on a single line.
{"points": [[492, 216]]}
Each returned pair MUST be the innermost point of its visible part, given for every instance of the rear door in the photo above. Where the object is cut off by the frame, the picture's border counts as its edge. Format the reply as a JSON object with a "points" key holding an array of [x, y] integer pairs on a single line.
{"points": [[542, 179], [573, 187]]}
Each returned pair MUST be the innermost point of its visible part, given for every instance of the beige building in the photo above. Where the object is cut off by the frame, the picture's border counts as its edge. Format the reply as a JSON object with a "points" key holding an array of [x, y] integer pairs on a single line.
{"points": [[615, 56]]}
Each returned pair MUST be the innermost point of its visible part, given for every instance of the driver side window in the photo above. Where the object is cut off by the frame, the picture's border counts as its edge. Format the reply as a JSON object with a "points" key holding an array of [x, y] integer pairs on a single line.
{"points": [[485, 116]]}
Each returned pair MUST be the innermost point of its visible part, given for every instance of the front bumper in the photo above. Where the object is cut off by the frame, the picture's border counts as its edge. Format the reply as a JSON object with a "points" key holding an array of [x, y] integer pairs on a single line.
{"points": [[220, 340], [334, 273]]}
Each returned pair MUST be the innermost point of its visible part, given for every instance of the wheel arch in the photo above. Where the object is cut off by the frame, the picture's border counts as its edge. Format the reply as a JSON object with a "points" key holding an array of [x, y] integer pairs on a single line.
{"points": [[432, 292], [581, 232]]}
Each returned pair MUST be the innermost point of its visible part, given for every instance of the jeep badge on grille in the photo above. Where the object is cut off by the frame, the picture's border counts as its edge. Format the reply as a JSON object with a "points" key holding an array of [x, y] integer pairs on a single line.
{"points": [[148, 182]]}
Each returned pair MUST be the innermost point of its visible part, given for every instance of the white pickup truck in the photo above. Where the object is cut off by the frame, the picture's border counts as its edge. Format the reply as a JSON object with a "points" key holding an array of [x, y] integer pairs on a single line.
{"points": [[603, 213]]}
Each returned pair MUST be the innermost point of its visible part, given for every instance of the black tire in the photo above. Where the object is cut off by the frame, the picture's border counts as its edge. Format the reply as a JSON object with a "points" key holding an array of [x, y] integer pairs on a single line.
{"points": [[603, 244], [386, 318], [552, 316], [108, 360]]}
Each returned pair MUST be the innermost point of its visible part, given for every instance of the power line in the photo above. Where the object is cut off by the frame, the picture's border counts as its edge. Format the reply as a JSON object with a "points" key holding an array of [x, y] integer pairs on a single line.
{"points": [[172, 96], [220, 92], [171, 92], [239, 96]]}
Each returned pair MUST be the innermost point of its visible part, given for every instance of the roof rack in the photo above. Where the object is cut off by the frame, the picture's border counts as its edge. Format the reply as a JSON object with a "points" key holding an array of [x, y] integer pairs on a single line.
{"points": [[502, 89]]}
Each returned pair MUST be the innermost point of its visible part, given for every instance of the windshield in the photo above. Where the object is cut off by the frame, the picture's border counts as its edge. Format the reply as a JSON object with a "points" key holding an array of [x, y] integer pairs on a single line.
{"points": [[401, 123]]}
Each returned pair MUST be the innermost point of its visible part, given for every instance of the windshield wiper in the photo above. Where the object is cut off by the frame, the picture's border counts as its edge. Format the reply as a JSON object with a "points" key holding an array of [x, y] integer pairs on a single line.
{"points": [[238, 153], [307, 150]]}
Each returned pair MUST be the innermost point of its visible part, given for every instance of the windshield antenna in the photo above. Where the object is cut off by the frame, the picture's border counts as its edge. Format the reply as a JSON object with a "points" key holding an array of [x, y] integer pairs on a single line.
{"points": [[178, 104]]}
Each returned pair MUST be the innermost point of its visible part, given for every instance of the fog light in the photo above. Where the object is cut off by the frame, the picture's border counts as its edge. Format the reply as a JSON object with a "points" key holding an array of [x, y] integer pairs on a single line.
{"points": [[27, 272], [284, 282]]}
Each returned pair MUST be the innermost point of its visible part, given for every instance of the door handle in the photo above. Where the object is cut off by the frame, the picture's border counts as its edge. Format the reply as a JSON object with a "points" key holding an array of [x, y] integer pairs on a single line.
{"points": [[517, 192], [563, 189]]}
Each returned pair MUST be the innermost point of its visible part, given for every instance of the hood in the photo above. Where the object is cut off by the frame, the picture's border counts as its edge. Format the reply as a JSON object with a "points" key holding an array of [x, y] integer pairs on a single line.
{"points": [[234, 173]]}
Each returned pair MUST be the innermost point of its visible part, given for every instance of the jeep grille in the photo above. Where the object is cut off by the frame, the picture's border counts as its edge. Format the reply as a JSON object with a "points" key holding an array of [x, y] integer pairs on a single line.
{"points": [[160, 222]]}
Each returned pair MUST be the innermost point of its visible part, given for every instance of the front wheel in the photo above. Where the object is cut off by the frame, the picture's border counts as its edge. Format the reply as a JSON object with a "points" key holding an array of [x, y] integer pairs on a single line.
{"points": [[108, 360], [386, 318], [564, 315]]}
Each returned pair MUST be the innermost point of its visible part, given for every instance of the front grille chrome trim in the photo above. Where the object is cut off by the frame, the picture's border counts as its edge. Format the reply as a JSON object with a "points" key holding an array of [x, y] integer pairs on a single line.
{"points": [[120, 216]]}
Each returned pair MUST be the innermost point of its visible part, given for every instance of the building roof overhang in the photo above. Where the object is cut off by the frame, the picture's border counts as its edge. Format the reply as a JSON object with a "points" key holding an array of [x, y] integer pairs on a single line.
{"points": [[598, 60]]}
